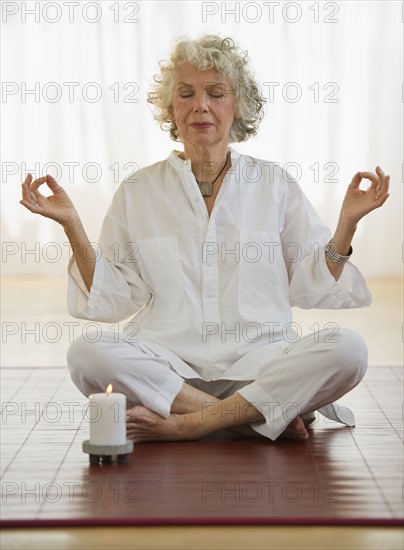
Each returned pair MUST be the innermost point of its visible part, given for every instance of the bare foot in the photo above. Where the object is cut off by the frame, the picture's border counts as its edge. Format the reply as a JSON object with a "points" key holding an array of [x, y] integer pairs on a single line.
{"points": [[143, 424], [296, 430]]}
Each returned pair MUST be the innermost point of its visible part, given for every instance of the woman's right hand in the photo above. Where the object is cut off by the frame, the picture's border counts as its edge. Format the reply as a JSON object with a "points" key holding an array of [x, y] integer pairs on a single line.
{"points": [[60, 208], [57, 206]]}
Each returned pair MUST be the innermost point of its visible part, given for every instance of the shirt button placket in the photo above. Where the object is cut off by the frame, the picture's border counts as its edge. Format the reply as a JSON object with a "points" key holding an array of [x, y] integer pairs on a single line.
{"points": [[210, 268], [210, 287]]}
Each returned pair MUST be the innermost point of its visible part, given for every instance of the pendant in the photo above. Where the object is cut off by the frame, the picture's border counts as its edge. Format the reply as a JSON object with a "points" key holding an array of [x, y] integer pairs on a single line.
{"points": [[206, 188]]}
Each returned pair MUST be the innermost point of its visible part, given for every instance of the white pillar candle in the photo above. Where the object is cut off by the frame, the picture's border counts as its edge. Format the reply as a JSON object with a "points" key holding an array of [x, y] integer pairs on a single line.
{"points": [[107, 417]]}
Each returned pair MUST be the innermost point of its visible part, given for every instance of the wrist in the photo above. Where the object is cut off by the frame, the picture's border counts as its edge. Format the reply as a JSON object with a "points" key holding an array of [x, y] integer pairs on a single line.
{"points": [[346, 226], [335, 257], [72, 224], [343, 236]]}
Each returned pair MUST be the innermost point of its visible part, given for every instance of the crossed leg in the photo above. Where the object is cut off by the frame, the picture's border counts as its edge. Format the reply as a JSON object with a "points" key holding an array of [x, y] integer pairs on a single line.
{"points": [[310, 373], [195, 414]]}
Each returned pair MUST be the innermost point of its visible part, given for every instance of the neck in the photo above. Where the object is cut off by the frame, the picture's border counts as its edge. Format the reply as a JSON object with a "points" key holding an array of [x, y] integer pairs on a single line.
{"points": [[206, 162]]}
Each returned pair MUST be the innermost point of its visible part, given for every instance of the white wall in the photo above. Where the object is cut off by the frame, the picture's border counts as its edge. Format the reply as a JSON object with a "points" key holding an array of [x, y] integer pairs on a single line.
{"points": [[354, 50]]}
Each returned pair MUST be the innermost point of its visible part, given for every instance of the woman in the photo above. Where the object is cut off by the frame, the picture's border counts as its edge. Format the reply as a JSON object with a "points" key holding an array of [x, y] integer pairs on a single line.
{"points": [[210, 249]]}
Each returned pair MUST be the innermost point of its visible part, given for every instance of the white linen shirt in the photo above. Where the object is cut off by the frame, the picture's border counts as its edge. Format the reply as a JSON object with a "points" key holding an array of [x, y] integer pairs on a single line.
{"points": [[204, 291]]}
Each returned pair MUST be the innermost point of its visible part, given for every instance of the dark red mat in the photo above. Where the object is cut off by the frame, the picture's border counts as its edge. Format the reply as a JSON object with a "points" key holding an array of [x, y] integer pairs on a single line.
{"points": [[340, 476]]}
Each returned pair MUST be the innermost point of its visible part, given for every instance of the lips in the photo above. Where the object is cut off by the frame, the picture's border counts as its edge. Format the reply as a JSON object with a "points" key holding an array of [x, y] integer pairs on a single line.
{"points": [[201, 125]]}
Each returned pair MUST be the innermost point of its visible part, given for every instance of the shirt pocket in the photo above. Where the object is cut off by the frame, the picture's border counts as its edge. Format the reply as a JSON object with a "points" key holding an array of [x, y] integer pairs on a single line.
{"points": [[263, 283], [160, 268]]}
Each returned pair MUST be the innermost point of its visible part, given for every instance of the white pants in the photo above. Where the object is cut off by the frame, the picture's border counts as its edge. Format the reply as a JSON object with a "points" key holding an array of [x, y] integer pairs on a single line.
{"points": [[308, 375]]}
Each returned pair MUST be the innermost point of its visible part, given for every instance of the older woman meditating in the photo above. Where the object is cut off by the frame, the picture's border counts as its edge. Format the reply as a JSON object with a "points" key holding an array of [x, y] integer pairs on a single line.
{"points": [[207, 251]]}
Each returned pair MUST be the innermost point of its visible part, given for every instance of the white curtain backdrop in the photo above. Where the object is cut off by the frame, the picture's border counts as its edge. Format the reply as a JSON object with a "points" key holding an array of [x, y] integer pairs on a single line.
{"points": [[74, 83]]}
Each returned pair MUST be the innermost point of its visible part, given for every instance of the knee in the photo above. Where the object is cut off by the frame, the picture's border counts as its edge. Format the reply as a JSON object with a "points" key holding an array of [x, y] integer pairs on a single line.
{"points": [[87, 361], [79, 354], [351, 353]]}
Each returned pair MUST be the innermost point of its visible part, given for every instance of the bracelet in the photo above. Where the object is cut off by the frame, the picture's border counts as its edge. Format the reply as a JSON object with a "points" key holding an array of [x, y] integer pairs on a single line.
{"points": [[334, 257]]}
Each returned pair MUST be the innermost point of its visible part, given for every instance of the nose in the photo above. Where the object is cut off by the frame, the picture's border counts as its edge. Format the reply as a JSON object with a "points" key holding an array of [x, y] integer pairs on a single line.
{"points": [[201, 102]]}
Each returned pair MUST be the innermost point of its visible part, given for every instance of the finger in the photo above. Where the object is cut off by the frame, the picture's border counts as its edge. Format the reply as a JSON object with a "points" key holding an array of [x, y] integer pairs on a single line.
{"points": [[24, 191], [32, 207], [382, 190], [28, 179], [381, 200], [50, 182], [35, 184], [382, 178], [383, 187], [27, 194], [383, 184], [355, 181], [379, 171], [371, 177]]}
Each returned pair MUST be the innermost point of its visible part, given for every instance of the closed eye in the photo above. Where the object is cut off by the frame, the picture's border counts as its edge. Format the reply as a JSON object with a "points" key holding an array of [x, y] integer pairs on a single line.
{"points": [[216, 95]]}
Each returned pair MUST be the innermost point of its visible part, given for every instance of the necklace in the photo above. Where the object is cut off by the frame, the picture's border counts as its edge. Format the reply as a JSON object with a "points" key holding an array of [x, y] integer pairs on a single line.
{"points": [[206, 187]]}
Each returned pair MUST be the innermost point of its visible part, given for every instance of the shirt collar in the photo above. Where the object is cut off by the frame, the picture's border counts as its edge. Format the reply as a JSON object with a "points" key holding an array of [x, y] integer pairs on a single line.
{"points": [[180, 164]]}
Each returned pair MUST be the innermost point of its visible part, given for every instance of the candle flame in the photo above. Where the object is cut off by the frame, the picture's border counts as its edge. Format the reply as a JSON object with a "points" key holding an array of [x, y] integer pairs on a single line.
{"points": [[109, 389]]}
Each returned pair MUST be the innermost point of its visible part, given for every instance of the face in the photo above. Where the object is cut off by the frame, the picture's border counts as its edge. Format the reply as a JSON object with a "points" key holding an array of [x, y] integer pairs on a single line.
{"points": [[203, 106]]}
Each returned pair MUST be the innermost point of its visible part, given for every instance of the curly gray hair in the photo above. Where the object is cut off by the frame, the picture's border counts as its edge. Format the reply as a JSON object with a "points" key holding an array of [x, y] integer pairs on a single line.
{"points": [[221, 54]]}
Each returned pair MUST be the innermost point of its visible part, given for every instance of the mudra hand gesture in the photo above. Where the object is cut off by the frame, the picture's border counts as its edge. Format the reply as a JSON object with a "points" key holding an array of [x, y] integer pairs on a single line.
{"points": [[57, 206], [358, 202]]}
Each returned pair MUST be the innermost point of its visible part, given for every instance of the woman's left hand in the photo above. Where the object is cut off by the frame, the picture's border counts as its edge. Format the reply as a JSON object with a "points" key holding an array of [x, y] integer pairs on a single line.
{"points": [[358, 202]]}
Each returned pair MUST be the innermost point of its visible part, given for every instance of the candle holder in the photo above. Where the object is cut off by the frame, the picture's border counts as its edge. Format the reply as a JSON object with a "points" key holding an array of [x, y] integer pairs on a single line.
{"points": [[107, 453]]}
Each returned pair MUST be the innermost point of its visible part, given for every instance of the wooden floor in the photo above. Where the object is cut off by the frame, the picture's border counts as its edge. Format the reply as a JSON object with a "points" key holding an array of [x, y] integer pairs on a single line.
{"points": [[340, 475], [365, 464]]}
